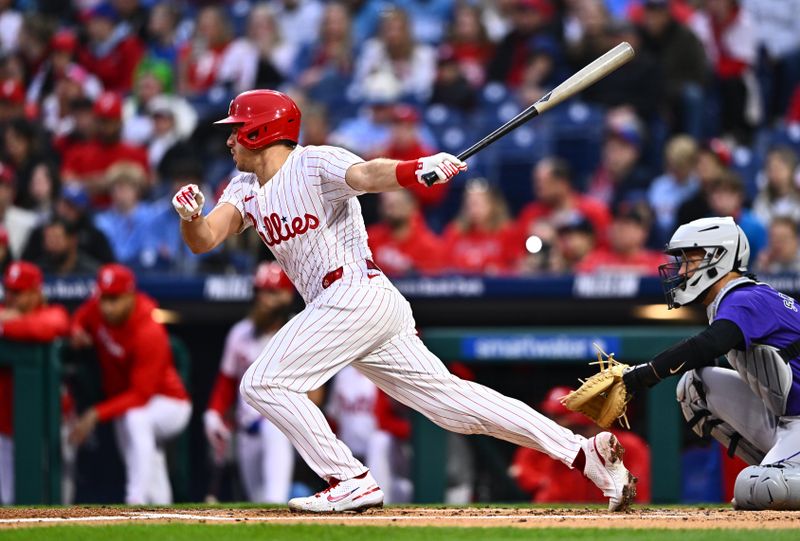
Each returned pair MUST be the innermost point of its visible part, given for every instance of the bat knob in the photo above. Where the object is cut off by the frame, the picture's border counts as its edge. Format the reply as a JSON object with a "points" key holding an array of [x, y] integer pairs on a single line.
{"points": [[429, 178]]}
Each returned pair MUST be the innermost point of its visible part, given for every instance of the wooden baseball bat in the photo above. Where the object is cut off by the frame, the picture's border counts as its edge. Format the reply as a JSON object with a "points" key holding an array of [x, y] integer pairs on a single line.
{"points": [[589, 75]]}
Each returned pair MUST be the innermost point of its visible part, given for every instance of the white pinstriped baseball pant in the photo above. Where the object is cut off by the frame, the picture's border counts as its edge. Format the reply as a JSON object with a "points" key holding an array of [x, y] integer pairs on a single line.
{"points": [[368, 323]]}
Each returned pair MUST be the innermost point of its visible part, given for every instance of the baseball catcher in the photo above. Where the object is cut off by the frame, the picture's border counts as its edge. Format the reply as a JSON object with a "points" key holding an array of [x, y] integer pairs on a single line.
{"points": [[751, 407]]}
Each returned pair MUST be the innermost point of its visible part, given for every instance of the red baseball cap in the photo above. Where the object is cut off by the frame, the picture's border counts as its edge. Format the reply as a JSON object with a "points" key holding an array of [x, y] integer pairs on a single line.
{"points": [[720, 149], [552, 406], [12, 91], [65, 40], [544, 7], [22, 276], [403, 112], [269, 275], [115, 279], [7, 175], [109, 106]]}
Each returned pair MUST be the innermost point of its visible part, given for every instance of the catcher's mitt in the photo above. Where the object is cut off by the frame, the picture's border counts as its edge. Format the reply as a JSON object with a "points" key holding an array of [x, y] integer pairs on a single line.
{"points": [[603, 397]]}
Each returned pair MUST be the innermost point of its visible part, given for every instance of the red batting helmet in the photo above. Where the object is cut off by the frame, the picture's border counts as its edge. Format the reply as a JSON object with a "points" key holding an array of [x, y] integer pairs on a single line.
{"points": [[264, 116], [271, 276], [552, 406]]}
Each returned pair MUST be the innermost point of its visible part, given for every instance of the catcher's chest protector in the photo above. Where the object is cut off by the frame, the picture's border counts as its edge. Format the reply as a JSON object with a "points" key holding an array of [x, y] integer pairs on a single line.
{"points": [[767, 374], [761, 366]]}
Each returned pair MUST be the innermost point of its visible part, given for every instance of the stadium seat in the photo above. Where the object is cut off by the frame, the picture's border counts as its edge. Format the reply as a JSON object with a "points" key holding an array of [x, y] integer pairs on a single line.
{"points": [[492, 94], [449, 127], [577, 130], [510, 160], [747, 164], [788, 134]]}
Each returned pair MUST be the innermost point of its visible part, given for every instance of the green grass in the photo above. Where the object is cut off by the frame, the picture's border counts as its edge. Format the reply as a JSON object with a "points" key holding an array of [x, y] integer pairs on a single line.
{"points": [[275, 532]]}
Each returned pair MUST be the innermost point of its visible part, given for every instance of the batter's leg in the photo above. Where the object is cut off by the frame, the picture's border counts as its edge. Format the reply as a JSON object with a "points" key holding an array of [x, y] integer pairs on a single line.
{"points": [[408, 372], [339, 327]]}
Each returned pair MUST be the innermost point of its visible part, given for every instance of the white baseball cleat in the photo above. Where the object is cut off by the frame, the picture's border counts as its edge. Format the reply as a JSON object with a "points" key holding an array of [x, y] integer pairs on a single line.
{"points": [[356, 494], [605, 469]]}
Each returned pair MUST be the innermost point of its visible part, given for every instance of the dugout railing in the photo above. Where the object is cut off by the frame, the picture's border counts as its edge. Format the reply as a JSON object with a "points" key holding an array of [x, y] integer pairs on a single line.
{"points": [[37, 370], [558, 345]]}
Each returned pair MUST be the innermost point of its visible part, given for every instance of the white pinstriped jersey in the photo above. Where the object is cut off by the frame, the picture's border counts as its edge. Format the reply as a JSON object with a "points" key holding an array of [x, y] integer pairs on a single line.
{"points": [[306, 214], [242, 348]]}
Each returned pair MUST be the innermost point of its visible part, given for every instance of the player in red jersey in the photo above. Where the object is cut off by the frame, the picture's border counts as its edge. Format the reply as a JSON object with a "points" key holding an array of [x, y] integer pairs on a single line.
{"points": [[144, 395], [25, 316]]}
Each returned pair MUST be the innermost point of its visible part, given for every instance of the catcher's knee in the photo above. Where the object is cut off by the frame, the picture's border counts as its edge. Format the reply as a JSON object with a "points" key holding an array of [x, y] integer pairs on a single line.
{"points": [[691, 395], [774, 486]]}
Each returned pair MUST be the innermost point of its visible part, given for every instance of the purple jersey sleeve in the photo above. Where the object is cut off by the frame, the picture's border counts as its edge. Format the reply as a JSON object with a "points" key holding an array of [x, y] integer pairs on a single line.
{"points": [[748, 310]]}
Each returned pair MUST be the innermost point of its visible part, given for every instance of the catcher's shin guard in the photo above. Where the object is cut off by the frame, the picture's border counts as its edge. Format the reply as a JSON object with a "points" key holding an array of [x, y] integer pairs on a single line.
{"points": [[774, 486], [692, 397]]}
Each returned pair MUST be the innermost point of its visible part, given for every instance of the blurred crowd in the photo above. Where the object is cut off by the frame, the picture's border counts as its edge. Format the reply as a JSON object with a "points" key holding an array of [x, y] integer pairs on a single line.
{"points": [[105, 107]]}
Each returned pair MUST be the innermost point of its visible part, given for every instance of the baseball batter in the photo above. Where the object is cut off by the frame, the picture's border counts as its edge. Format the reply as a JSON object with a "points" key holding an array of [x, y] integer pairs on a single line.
{"points": [[302, 203], [265, 456], [753, 407]]}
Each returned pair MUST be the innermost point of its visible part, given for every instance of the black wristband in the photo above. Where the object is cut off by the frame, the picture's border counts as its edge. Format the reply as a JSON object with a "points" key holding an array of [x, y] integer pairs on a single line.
{"points": [[640, 378]]}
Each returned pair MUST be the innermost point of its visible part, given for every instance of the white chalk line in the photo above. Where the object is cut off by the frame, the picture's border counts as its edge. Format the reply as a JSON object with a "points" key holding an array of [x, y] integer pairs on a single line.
{"points": [[336, 518]]}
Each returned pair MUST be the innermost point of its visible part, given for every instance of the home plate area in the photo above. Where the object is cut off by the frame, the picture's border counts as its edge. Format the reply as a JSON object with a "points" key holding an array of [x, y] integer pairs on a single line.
{"points": [[646, 517]]}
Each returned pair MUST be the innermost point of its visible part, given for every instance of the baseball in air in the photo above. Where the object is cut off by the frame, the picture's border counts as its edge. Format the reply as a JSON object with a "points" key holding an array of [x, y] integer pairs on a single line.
{"points": [[534, 244]]}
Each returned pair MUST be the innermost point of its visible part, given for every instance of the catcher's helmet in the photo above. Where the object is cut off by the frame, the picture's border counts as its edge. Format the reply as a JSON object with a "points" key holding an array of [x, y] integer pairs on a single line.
{"points": [[264, 117], [269, 275], [726, 249]]}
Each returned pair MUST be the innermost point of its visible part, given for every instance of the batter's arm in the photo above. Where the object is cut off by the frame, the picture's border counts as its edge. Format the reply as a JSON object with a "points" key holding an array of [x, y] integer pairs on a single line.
{"points": [[205, 233], [382, 175], [374, 176]]}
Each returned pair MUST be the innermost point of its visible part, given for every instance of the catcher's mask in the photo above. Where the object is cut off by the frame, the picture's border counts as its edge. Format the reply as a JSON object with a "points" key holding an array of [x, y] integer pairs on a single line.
{"points": [[724, 249]]}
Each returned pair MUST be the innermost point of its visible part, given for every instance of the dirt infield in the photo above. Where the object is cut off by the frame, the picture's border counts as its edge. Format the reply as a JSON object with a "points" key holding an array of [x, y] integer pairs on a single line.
{"points": [[646, 517]]}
